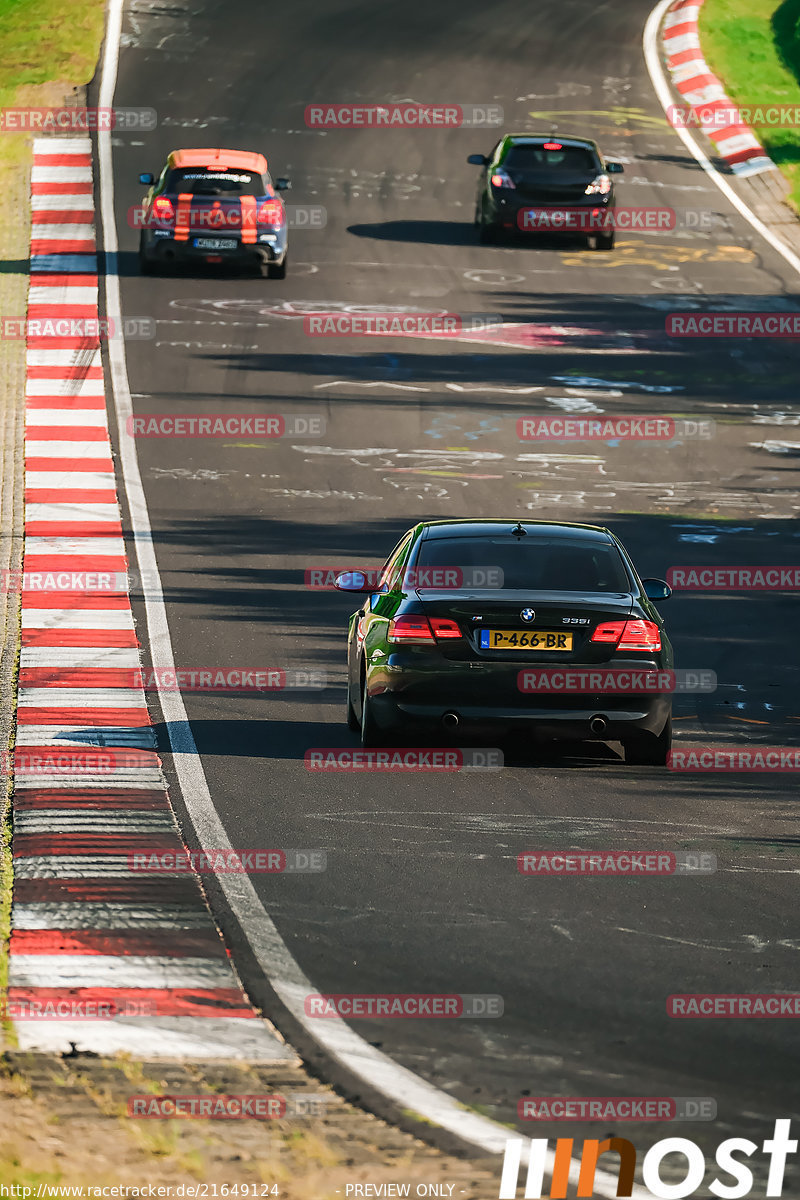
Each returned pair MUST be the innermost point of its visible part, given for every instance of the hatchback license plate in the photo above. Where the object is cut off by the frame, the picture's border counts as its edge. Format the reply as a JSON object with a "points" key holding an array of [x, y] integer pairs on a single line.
{"points": [[215, 243], [525, 639]]}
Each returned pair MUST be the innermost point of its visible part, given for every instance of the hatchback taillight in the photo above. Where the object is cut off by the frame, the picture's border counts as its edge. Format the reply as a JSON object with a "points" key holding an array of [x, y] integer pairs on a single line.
{"points": [[628, 635], [502, 179], [162, 209], [270, 213]]}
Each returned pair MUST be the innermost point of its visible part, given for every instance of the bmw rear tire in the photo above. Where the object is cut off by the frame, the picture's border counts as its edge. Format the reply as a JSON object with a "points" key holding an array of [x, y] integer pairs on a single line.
{"points": [[353, 722], [370, 734], [649, 749]]}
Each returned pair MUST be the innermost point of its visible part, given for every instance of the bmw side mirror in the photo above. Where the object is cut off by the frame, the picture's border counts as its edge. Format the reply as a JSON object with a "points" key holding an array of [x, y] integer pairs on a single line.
{"points": [[353, 581], [477, 160], [656, 589], [147, 178], [614, 168], [282, 185]]}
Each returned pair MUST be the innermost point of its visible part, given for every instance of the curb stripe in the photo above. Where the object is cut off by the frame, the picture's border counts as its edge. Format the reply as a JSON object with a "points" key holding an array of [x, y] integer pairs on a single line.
{"points": [[738, 145], [89, 790]]}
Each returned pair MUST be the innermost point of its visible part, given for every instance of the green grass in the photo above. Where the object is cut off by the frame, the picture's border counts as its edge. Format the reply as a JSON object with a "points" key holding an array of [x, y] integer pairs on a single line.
{"points": [[44, 42], [754, 48]]}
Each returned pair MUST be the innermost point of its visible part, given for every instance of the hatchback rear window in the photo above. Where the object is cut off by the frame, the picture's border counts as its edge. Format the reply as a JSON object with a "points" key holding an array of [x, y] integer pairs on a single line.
{"points": [[198, 182], [535, 564], [572, 159]]}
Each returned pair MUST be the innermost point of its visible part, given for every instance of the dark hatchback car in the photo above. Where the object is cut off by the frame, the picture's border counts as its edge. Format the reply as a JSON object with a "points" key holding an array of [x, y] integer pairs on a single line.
{"points": [[532, 183], [481, 622], [214, 206]]}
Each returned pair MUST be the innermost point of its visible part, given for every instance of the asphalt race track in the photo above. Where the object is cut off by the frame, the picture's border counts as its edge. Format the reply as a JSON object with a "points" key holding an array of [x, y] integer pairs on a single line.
{"points": [[422, 892]]}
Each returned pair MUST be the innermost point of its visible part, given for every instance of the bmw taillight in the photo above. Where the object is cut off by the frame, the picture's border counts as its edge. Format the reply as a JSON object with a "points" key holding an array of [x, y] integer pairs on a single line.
{"points": [[629, 635], [270, 213], [162, 210], [410, 629], [600, 186], [444, 629], [418, 630], [502, 179]]}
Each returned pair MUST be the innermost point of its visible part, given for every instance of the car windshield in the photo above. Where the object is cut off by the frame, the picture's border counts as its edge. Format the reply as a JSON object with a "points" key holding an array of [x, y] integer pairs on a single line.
{"points": [[534, 563], [569, 159], [216, 183]]}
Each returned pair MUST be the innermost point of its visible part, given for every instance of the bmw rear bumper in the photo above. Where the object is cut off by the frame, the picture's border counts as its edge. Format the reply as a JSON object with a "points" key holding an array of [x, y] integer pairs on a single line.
{"points": [[406, 695]]}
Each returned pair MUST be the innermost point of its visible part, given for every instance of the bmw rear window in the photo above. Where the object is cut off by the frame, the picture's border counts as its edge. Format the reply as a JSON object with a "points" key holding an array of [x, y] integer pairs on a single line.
{"points": [[569, 159], [534, 564], [197, 182]]}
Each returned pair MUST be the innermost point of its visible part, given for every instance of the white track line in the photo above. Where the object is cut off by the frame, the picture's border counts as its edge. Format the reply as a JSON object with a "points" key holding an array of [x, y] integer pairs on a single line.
{"points": [[662, 90], [401, 1086]]}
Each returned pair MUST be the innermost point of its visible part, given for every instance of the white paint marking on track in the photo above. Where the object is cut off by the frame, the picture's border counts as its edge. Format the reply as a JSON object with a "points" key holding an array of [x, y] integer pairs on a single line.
{"points": [[136, 778], [70, 545], [95, 417], [79, 657], [65, 697], [71, 511], [61, 175], [60, 820], [77, 618], [43, 293], [112, 970], [402, 1087], [69, 480], [92, 914], [192, 1038], [65, 387]]}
